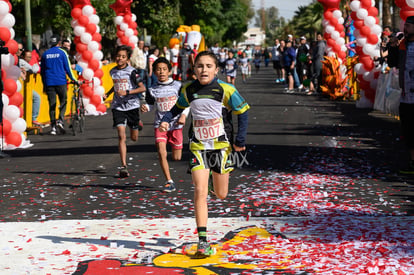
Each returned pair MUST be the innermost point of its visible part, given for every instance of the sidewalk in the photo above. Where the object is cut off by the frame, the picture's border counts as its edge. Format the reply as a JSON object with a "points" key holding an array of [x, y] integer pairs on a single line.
{"points": [[319, 193]]}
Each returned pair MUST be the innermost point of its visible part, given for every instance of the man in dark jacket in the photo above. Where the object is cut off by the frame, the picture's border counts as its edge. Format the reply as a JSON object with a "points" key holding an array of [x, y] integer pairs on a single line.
{"points": [[55, 65]]}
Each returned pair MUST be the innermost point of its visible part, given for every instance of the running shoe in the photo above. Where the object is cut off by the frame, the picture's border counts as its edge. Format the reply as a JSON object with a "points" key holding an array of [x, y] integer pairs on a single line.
{"points": [[204, 250], [123, 172], [53, 131], [60, 127], [169, 187]]}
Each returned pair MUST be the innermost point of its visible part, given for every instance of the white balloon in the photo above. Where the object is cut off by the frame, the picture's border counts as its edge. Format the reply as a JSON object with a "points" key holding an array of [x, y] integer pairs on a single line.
{"points": [[124, 26], [337, 14], [79, 30], [4, 8], [118, 20], [11, 113], [361, 41], [129, 32], [93, 46], [94, 19], [7, 60], [355, 5], [86, 38], [8, 21], [19, 86], [359, 68], [74, 23], [5, 99], [96, 81], [85, 101], [12, 34], [99, 90], [329, 29], [87, 10], [13, 72], [410, 3], [344, 48], [133, 39], [369, 21], [19, 125], [98, 55], [87, 74], [340, 41], [83, 64], [133, 17], [368, 76], [98, 29], [341, 21], [90, 109], [376, 29], [362, 13], [368, 49], [335, 35]]}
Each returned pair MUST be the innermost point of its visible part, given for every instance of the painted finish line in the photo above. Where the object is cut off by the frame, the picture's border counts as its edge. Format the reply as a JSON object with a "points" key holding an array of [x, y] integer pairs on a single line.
{"points": [[286, 245]]}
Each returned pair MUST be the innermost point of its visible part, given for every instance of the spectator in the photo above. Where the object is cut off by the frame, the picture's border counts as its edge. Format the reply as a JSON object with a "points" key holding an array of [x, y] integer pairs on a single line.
{"points": [[24, 64], [152, 78], [318, 54], [55, 66], [185, 54], [406, 81], [302, 60], [289, 61], [139, 62]]}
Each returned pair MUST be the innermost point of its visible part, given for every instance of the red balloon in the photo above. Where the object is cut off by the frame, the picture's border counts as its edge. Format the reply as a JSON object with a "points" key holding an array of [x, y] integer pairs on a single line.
{"points": [[120, 33], [330, 4], [81, 47], [124, 40], [87, 55], [359, 50], [21, 111], [406, 13], [326, 35], [366, 4], [5, 127], [358, 24], [16, 99], [133, 25], [76, 13], [93, 64], [96, 100], [127, 18], [101, 108], [16, 60], [373, 11], [336, 48], [367, 62], [372, 39], [354, 16], [5, 34], [339, 28], [77, 40], [91, 28], [12, 46], [99, 73], [14, 138], [87, 91], [342, 55], [135, 32], [400, 3], [365, 31], [10, 86], [377, 20], [97, 37], [327, 15], [333, 21], [83, 20]]}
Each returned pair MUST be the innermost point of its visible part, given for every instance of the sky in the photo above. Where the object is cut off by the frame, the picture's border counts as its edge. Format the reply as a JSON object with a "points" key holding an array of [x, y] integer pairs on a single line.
{"points": [[286, 8]]}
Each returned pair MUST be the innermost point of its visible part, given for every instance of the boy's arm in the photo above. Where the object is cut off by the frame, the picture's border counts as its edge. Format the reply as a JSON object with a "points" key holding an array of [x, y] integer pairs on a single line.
{"points": [[240, 143]]}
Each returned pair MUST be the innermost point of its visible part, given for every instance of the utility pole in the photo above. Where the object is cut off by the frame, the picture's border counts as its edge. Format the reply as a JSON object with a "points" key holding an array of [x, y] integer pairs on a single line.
{"points": [[263, 16], [28, 24]]}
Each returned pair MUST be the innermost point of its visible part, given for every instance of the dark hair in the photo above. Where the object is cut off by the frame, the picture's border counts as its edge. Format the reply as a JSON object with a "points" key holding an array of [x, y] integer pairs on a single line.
{"points": [[161, 60], [207, 53], [124, 48]]}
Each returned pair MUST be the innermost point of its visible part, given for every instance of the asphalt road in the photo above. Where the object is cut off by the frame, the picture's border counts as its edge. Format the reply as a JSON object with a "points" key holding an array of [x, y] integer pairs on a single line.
{"points": [[313, 167]]}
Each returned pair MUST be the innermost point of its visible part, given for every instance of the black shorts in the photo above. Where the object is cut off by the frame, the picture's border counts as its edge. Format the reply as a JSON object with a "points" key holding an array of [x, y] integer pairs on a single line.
{"points": [[288, 71], [218, 160], [407, 123], [276, 64], [124, 118]]}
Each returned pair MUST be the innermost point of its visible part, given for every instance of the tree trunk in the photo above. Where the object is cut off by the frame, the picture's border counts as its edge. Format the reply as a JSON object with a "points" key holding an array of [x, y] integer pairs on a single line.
{"points": [[386, 12]]}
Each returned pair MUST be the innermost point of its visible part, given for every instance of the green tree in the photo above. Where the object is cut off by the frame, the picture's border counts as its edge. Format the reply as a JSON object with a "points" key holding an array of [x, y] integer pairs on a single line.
{"points": [[307, 21]]}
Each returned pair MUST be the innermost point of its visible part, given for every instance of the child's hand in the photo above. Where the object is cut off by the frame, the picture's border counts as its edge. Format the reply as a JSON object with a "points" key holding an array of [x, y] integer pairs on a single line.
{"points": [[181, 120], [144, 108], [164, 126]]}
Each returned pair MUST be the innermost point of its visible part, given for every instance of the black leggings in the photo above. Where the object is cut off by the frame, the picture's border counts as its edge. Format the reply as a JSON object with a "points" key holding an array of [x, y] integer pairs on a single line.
{"points": [[61, 92]]}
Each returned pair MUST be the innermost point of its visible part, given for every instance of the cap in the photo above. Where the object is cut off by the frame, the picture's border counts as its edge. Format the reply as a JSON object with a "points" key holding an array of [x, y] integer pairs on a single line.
{"points": [[54, 40], [289, 35], [386, 33], [303, 38], [410, 19]]}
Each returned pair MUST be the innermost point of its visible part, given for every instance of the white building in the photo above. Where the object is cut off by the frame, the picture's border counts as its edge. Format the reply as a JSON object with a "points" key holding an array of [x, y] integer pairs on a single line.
{"points": [[254, 37]]}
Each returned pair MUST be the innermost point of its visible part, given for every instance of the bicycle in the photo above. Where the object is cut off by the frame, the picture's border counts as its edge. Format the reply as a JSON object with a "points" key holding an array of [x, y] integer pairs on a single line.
{"points": [[77, 110]]}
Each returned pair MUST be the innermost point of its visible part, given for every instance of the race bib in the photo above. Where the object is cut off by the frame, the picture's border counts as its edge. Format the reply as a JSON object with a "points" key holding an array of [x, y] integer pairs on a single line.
{"points": [[121, 85], [208, 128], [164, 104]]}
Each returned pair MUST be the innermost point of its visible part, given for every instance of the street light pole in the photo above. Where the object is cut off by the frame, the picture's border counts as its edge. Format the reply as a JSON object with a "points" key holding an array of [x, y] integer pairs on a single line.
{"points": [[28, 24]]}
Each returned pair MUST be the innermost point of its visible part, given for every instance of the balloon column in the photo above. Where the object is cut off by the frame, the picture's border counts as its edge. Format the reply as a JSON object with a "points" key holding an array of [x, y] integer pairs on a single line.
{"points": [[125, 23], [407, 8], [335, 71], [367, 33], [89, 54], [13, 126]]}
